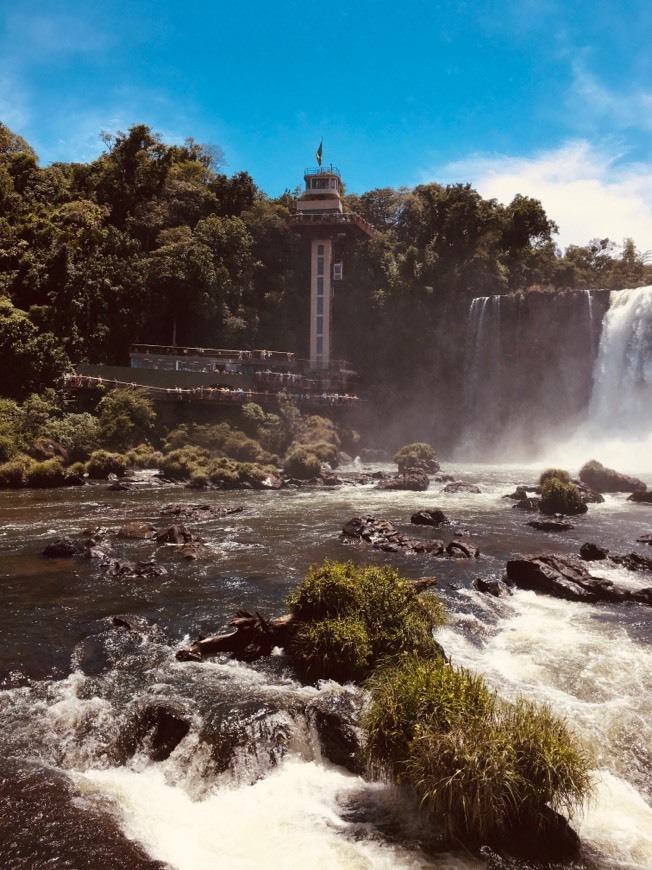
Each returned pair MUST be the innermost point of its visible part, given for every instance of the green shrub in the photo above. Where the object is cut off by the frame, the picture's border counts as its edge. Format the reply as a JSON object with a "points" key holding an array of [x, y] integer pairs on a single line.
{"points": [[78, 433], [210, 436], [13, 474], [42, 475], [556, 473], [416, 456], [558, 497], [239, 446], [479, 765], [395, 618], [302, 464], [126, 417], [102, 463], [336, 649], [224, 473], [324, 451], [144, 456], [181, 464], [315, 429], [414, 694]]}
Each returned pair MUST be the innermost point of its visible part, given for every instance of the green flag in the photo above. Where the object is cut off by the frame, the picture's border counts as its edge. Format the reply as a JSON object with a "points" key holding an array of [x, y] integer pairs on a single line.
{"points": [[320, 151]]}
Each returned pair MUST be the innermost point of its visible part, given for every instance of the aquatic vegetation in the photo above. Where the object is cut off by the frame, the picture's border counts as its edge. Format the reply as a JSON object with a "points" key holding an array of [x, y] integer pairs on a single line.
{"points": [[371, 612], [416, 456]]}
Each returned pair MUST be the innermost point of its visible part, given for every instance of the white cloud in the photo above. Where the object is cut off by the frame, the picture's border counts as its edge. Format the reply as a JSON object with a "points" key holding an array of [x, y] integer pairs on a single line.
{"points": [[589, 192], [592, 102]]}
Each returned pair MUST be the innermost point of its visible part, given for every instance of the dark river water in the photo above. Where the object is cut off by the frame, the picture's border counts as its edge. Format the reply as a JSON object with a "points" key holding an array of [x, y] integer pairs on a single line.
{"points": [[247, 786]]}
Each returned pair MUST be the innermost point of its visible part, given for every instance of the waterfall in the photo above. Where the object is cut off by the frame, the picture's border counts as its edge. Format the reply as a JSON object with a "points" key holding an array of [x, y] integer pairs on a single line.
{"points": [[622, 377], [617, 430], [483, 372]]}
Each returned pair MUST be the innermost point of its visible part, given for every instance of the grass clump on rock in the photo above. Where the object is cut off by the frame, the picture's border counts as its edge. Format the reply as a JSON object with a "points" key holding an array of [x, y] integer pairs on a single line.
{"points": [[416, 457], [481, 767], [561, 497], [302, 464], [556, 474], [347, 619]]}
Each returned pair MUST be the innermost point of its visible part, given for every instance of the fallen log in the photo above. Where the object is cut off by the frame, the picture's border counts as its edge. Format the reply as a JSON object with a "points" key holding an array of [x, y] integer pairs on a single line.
{"points": [[254, 636]]}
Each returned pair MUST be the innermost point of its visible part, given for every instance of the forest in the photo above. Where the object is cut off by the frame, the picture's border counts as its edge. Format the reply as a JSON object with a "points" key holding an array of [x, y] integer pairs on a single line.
{"points": [[153, 241]]}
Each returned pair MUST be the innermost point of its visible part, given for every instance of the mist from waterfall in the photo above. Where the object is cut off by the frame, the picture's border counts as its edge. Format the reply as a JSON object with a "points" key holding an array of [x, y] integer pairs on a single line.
{"points": [[559, 378], [618, 426]]}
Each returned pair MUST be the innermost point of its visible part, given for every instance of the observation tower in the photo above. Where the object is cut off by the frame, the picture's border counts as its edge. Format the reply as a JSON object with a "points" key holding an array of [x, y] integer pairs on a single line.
{"points": [[320, 217]]}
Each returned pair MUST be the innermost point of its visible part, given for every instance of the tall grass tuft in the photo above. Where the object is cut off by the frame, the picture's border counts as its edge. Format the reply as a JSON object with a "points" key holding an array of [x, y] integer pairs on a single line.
{"points": [[374, 605], [481, 767]]}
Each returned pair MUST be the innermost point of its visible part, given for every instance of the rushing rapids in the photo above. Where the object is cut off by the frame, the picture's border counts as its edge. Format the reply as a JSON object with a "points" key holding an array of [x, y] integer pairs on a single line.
{"points": [[248, 784]]}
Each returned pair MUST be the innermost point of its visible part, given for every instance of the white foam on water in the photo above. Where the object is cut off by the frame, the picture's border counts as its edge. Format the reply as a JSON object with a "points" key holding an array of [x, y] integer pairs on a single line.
{"points": [[592, 672], [290, 820]]}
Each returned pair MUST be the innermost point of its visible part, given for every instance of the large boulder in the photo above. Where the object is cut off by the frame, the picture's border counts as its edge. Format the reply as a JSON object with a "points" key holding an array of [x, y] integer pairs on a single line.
{"points": [[137, 530], [460, 549], [602, 479], [641, 497], [429, 517], [564, 576], [414, 480], [593, 552], [335, 714]]}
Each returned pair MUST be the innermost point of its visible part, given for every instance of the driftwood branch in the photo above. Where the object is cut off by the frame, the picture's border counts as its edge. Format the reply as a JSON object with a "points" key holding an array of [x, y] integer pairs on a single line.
{"points": [[254, 636]]}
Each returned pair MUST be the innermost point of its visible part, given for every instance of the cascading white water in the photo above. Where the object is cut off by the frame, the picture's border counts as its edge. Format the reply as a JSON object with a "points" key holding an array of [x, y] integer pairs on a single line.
{"points": [[618, 426], [622, 391]]}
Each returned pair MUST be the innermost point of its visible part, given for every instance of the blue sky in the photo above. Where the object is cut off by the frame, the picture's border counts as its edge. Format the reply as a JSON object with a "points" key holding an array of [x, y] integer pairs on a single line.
{"points": [[550, 99]]}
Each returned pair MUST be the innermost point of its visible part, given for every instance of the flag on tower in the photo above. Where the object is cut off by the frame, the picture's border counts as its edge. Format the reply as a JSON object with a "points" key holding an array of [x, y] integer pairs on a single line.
{"points": [[320, 151]]}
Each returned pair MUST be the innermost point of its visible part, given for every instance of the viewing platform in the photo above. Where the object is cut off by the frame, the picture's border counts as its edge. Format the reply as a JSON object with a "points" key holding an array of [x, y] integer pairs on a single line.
{"points": [[349, 221]]}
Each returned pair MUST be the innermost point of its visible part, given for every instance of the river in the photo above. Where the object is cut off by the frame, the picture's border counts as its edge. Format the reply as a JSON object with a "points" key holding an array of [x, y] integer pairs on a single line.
{"points": [[247, 787]]}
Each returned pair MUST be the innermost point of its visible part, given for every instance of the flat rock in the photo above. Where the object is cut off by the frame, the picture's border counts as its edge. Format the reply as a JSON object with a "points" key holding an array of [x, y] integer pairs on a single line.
{"points": [[137, 530], [461, 486], [551, 525], [563, 576], [644, 539], [199, 511]]}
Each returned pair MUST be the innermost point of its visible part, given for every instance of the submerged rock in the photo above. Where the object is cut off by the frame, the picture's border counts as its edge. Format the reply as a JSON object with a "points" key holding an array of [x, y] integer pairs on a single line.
{"points": [[137, 530], [492, 587], [644, 539], [63, 548], [199, 511], [461, 486], [551, 525]]}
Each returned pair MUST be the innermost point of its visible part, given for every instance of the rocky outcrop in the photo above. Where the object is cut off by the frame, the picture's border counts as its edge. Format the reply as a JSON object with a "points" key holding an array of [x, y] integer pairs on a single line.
{"points": [[602, 479], [414, 480], [176, 535], [593, 552], [334, 715], [493, 587], [563, 576], [429, 517], [641, 497], [384, 535], [157, 729]]}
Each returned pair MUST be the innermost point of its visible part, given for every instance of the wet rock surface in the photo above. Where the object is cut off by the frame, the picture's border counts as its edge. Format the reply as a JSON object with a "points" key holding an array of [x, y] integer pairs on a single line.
{"points": [[414, 480], [384, 535], [564, 576], [46, 823], [429, 517], [554, 524], [461, 486]]}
